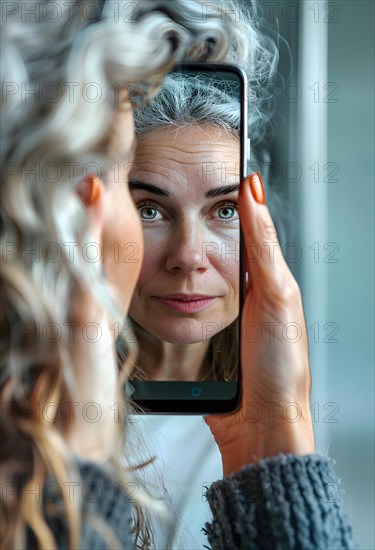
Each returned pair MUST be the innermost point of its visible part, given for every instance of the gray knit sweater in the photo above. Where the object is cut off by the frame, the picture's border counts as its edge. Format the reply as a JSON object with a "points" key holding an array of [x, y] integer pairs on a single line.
{"points": [[283, 502]]}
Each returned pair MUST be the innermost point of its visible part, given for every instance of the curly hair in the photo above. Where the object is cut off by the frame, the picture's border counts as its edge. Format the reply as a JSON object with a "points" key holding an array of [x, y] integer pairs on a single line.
{"points": [[61, 75]]}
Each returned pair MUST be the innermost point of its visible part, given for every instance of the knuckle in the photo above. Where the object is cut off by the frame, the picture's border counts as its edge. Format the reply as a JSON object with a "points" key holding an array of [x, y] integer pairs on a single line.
{"points": [[287, 295], [291, 291]]}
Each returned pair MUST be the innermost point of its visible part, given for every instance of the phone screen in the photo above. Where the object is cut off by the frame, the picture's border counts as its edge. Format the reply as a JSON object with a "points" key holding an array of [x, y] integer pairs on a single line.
{"points": [[185, 311]]}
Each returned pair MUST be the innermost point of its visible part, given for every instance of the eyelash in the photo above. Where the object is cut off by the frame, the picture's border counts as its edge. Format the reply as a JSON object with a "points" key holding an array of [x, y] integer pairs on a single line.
{"points": [[154, 205]]}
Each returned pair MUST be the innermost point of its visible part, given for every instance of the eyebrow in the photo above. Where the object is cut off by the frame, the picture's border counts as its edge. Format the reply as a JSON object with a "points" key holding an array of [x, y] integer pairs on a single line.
{"points": [[137, 184], [223, 190], [218, 191]]}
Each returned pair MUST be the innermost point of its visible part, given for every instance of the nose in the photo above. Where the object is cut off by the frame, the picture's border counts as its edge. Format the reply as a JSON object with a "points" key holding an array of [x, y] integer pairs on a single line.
{"points": [[185, 253]]}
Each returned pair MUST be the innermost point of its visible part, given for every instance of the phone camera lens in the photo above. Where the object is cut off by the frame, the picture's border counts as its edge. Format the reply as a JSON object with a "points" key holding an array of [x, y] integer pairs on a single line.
{"points": [[196, 391]]}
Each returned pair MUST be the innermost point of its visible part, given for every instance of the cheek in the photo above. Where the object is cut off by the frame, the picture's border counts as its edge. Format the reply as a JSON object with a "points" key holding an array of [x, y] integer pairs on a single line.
{"points": [[227, 261], [229, 271], [123, 247], [153, 259]]}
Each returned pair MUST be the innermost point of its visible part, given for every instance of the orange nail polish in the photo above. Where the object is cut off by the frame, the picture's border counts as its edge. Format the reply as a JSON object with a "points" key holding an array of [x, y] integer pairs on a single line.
{"points": [[95, 188], [257, 188], [90, 189]]}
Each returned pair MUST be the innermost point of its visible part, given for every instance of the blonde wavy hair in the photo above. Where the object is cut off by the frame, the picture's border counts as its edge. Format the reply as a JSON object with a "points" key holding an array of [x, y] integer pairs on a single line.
{"points": [[61, 72]]}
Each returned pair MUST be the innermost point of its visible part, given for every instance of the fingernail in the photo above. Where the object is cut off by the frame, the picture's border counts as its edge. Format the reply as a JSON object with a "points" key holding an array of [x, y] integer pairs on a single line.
{"points": [[89, 189], [257, 188]]}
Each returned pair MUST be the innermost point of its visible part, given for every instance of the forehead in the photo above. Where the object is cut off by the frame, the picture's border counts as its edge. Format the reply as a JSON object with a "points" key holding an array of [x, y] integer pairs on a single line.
{"points": [[203, 152]]}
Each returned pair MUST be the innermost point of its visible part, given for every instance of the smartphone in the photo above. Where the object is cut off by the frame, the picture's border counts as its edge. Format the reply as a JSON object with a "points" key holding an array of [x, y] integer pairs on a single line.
{"points": [[191, 156]]}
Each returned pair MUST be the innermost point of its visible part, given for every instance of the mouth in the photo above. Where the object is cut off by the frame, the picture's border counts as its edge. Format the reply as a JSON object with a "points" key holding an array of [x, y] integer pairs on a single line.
{"points": [[186, 303]]}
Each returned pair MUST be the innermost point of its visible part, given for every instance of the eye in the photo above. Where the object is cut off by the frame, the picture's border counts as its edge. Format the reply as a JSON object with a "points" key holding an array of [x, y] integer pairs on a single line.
{"points": [[149, 212], [227, 212]]}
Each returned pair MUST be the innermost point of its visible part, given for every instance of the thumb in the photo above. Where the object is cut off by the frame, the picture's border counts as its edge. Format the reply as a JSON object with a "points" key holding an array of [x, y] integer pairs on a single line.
{"points": [[263, 254]]}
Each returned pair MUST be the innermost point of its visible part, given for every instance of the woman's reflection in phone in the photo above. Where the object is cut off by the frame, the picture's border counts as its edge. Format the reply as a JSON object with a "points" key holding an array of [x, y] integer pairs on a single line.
{"points": [[185, 185]]}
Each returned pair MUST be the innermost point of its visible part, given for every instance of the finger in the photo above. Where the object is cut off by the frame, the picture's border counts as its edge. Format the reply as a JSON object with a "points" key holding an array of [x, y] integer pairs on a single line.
{"points": [[262, 248]]}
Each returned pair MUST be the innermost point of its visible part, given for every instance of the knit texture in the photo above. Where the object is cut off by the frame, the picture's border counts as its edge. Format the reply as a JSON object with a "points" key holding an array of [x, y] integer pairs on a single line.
{"points": [[106, 512], [284, 502], [108, 508]]}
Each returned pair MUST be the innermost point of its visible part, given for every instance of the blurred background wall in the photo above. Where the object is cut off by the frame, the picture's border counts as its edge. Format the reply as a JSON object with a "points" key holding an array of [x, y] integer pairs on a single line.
{"points": [[322, 156]]}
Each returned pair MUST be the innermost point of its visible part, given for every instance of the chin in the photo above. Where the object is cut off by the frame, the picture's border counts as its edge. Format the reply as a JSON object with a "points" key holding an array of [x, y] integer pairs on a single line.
{"points": [[177, 335], [184, 330], [181, 331]]}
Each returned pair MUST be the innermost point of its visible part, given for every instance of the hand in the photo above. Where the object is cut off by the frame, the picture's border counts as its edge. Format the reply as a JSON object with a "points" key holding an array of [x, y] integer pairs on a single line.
{"points": [[274, 415]]}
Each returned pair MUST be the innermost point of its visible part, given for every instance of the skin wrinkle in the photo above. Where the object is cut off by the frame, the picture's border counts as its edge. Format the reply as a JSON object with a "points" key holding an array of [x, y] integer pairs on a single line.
{"points": [[173, 261], [150, 164], [216, 192]]}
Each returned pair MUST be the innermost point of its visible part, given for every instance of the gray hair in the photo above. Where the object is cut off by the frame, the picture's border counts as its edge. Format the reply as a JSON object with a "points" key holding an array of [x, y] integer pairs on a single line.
{"points": [[53, 127], [184, 99]]}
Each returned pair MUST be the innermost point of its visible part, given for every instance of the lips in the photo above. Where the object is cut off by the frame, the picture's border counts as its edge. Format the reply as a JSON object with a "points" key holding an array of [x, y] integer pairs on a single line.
{"points": [[186, 303], [186, 297]]}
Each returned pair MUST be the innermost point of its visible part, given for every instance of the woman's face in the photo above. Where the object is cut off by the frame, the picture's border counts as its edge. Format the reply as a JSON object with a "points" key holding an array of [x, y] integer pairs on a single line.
{"points": [[185, 185], [123, 235]]}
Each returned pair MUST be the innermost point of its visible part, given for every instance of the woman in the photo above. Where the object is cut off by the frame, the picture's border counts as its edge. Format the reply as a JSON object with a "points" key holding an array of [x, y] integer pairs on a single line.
{"points": [[186, 303], [63, 280]]}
